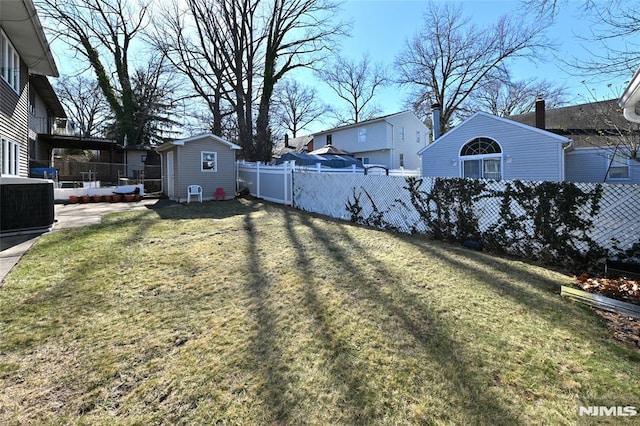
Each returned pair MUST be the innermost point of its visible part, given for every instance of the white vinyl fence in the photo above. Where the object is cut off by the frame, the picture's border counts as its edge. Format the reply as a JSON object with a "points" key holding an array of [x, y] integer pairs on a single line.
{"points": [[275, 182], [271, 183]]}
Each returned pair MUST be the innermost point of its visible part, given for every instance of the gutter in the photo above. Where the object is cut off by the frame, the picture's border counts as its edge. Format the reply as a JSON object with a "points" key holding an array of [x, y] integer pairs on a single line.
{"points": [[630, 98]]}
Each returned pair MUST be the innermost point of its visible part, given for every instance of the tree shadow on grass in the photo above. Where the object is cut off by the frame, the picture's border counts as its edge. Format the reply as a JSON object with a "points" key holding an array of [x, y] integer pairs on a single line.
{"points": [[340, 361], [264, 348], [476, 264], [478, 400]]}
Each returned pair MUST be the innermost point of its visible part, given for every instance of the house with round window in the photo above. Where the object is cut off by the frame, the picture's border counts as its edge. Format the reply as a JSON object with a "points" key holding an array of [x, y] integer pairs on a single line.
{"points": [[485, 146]]}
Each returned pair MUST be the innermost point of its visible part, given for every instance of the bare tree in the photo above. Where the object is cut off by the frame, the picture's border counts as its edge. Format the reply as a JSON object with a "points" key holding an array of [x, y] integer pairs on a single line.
{"points": [[614, 30], [187, 37], [500, 95], [449, 58], [357, 84], [296, 34], [84, 103], [102, 31], [241, 49], [297, 106]]}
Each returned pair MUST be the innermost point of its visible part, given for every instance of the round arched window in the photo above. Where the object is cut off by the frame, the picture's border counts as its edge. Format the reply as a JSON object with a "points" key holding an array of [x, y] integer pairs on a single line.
{"points": [[481, 158], [481, 146]]}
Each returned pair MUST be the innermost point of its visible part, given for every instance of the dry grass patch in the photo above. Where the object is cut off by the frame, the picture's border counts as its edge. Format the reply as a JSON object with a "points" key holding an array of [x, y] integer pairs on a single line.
{"points": [[240, 312]]}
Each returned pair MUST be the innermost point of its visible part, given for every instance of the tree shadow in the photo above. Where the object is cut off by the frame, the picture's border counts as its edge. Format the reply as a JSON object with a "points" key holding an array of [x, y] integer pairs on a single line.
{"points": [[264, 347], [476, 265], [428, 329], [340, 360]]}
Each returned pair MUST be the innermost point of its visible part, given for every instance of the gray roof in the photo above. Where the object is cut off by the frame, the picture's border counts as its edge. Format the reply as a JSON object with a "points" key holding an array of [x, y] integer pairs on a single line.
{"points": [[297, 144], [590, 124]]}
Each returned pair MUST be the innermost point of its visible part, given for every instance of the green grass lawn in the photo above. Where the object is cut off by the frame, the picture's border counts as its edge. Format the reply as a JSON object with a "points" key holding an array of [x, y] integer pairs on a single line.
{"points": [[244, 313]]}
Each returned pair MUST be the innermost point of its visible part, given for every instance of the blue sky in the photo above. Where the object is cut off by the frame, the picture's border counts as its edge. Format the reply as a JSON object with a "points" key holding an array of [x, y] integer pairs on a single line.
{"points": [[380, 28]]}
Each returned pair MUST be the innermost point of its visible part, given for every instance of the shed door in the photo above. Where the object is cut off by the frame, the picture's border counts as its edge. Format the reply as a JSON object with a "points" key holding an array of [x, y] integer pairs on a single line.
{"points": [[170, 176]]}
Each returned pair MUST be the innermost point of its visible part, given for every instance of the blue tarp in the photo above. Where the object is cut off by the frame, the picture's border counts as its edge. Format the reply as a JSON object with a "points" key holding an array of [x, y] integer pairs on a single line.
{"points": [[43, 172], [334, 161]]}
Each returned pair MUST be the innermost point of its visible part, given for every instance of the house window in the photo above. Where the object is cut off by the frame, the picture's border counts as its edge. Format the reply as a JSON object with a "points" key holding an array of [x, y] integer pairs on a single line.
{"points": [[364, 160], [401, 160], [209, 161], [418, 136], [329, 140], [9, 63], [362, 135], [401, 134], [481, 158], [618, 166], [32, 102], [10, 158]]}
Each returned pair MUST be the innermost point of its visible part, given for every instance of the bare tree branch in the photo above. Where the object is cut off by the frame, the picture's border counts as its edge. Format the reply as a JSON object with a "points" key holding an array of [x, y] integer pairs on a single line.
{"points": [[357, 84], [449, 58]]}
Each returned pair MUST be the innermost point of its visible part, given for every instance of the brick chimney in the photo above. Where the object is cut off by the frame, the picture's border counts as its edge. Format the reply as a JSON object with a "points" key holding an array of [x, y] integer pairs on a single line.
{"points": [[540, 114]]}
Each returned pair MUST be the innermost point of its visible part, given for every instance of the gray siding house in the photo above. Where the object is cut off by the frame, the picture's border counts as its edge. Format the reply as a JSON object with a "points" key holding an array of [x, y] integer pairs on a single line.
{"points": [[489, 147], [390, 141], [25, 51], [602, 140], [206, 160]]}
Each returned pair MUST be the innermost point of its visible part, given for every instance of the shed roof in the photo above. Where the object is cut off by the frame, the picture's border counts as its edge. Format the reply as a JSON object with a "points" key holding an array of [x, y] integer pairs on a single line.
{"points": [[181, 142]]}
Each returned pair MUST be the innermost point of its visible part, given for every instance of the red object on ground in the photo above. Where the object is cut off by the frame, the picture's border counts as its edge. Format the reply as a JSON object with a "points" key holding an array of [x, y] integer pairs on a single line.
{"points": [[220, 194]]}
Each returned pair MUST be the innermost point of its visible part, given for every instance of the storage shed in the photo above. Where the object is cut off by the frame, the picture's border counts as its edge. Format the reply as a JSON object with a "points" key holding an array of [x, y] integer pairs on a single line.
{"points": [[206, 160]]}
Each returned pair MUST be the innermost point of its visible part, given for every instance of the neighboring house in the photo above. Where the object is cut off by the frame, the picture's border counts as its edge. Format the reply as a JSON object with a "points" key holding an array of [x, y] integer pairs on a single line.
{"points": [[24, 51], [489, 147], [300, 144], [602, 140], [630, 100], [205, 160], [44, 110], [391, 140]]}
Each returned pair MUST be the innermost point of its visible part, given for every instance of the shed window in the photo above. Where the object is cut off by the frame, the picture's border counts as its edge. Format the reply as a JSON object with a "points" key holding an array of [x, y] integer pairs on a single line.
{"points": [[618, 167], [209, 161], [481, 158]]}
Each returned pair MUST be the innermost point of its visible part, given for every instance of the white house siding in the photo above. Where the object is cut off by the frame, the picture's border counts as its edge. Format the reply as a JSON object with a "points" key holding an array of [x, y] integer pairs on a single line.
{"points": [[188, 169], [410, 146], [375, 157], [527, 153], [383, 141], [591, 164], [14, 116], [347, 138]]}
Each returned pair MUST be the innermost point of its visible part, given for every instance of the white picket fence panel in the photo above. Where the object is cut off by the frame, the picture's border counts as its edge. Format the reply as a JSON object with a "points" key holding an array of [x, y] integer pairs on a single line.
{"points": [[275, 182]]}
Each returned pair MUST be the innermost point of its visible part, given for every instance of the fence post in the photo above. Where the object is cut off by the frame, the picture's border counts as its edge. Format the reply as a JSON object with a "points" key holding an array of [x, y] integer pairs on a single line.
{"points": [[258, 179], [318, 168], [353, 168]]}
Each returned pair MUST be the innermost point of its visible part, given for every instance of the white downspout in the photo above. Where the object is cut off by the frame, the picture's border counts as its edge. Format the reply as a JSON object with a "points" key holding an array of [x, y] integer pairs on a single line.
{"points": [[565, 149], [393, 145]]}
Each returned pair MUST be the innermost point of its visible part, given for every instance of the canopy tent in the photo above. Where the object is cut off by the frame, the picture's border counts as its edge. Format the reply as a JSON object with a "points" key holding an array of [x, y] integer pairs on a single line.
{"points": [[334, 161]]}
